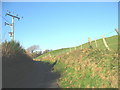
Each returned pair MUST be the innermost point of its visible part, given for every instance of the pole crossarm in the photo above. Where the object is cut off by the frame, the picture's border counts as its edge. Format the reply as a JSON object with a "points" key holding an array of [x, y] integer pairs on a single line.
{"points": [[13, 16]]}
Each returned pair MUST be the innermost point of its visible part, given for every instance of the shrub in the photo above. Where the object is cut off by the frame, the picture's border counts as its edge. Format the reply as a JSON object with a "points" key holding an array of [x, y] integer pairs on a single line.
{"points": [[11, 49], [16, 64]]}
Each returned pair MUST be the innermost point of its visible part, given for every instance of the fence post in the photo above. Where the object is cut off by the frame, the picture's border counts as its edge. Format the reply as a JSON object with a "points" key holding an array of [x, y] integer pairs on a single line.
{"points": [[96, 43], [75, 47], [81, 45], [105, 43], [118, 39], [117, 31], [70, 49], [89, 40]]}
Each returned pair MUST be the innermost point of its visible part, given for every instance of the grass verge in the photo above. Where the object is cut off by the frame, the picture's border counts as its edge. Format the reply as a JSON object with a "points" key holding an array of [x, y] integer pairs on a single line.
{"points": [[87, 68]]}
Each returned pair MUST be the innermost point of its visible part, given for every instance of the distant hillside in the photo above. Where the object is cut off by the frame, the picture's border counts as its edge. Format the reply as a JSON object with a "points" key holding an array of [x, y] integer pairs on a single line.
{"points": [[112, 43]]}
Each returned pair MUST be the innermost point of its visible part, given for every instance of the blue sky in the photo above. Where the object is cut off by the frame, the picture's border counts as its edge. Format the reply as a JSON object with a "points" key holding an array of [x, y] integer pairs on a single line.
{"points": [[55, 25]]}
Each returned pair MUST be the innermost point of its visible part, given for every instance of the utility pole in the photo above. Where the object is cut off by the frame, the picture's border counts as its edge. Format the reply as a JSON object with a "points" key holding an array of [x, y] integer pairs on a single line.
{"points": [[12, 24], [117, 31]]}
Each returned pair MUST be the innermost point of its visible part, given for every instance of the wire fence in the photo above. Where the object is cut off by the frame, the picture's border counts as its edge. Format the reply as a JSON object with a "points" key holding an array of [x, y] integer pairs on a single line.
{"points": [[100, 42], [104, 42]]}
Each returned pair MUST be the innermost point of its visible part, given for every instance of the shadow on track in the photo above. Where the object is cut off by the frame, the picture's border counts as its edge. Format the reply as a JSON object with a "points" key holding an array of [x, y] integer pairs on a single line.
{"points": [[28, 74]]}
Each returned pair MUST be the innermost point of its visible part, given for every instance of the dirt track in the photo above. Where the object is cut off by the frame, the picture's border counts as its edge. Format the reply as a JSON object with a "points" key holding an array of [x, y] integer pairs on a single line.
{"points": [[35, 75]]}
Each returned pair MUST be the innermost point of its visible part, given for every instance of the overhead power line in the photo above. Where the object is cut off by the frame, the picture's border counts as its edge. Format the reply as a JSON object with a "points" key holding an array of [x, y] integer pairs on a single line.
{"points": [[5, 19], [105, 34], [109, 32]]}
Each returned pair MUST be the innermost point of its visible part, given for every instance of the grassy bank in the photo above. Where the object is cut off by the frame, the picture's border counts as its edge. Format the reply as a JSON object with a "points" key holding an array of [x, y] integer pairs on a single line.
{"points": [[93, 68], [87, 68]]}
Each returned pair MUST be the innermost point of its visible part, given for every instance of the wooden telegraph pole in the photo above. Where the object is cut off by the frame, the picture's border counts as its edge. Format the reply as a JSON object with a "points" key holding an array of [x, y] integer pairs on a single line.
{"points": [[12, 24], [117, 31]]}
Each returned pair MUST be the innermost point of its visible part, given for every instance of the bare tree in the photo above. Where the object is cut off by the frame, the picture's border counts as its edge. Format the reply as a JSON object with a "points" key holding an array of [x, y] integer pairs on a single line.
{"points": [[36, 54], [46, 51], [31, 49]]}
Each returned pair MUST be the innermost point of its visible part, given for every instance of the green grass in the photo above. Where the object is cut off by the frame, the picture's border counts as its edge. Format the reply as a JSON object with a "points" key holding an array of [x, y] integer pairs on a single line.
{"points": [[88, 71], [87, 68], [55, 53], [111, 41]]}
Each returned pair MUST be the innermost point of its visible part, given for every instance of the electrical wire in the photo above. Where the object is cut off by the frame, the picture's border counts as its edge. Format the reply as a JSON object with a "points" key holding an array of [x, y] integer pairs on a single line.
{"points": [[97, 37], [109, 32], [5, 19]]}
